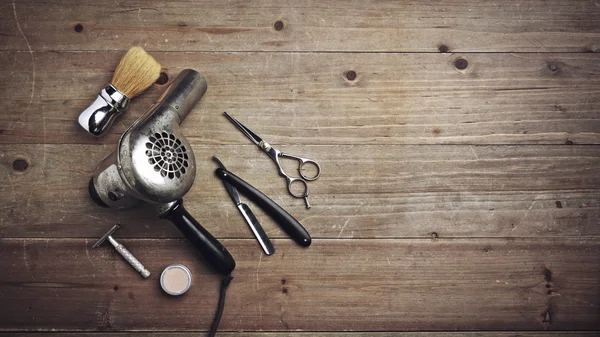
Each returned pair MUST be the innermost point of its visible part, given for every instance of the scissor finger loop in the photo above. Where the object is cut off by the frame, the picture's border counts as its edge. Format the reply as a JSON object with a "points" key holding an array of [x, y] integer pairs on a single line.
{"points": [[304, 196], [301, 163], [311, 163], [300, 193]]}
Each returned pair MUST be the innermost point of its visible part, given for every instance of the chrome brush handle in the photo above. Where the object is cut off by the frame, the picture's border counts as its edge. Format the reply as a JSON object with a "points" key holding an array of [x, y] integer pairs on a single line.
{"points": [[100, 115]]}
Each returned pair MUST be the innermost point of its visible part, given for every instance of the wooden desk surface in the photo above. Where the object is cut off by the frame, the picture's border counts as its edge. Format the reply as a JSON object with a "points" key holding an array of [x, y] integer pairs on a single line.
{"points": [[458, 140]]}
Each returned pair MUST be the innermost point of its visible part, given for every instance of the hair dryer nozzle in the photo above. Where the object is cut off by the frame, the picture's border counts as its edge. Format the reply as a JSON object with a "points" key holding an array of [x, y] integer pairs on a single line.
{"points": [[184, 92]]}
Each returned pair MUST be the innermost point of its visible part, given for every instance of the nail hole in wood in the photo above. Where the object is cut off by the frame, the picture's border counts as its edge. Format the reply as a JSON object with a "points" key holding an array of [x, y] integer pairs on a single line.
{"points": [[20, 165], [78, 28], [162, 79], [278, 25], [351, 75], [116, 287], [443, 48], [547, 317], [461, 64], [547, 274]]}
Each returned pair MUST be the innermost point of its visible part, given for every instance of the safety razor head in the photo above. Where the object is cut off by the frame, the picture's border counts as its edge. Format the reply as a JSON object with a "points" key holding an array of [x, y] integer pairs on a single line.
{"points": [[105, 236]]}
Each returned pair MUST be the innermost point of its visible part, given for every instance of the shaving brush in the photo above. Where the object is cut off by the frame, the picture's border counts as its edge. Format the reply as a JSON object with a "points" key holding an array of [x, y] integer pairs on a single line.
{"points": [[135, 73]]}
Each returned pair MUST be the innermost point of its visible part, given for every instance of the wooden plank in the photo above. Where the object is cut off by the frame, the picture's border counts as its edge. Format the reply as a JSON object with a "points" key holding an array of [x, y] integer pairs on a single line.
{"points": [[364, 192], [297, 98], [312, 25], [321, 334], [364, 285]]}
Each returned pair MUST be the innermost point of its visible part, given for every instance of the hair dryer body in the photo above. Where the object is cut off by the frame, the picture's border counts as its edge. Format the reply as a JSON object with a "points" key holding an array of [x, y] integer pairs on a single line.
{"points": [[154, 163]]}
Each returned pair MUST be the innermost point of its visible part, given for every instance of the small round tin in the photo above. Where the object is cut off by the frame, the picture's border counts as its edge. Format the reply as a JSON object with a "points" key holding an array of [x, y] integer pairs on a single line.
{"points": [[176, 279]]}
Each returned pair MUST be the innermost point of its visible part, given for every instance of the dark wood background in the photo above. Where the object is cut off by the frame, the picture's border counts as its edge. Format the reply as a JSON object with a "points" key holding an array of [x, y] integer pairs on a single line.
{"points": [[461, 167]]}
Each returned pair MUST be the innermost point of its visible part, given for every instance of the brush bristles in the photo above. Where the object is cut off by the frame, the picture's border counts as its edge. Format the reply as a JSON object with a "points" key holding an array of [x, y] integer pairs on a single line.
{"points": [[136, 72]]}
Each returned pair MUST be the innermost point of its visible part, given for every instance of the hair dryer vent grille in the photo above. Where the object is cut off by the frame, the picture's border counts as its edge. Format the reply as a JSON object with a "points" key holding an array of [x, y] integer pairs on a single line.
{"points": [[167, 154]]}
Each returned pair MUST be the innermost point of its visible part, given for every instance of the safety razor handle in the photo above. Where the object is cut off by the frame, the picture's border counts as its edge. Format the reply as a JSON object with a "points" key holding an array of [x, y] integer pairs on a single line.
{"points": [[215, 254], [287, 222], [126, 254]]}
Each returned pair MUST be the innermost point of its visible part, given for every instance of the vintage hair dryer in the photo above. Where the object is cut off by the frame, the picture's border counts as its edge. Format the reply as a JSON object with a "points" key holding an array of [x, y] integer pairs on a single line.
{"points": [[154, 163]]}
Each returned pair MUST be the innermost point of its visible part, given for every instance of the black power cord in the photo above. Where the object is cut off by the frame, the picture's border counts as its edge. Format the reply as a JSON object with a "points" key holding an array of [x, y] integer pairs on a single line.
{"points": [[223, 293]]}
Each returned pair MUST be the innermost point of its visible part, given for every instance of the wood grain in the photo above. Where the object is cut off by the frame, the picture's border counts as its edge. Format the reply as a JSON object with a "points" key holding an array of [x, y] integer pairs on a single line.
{"points": [[461, 167], [364, 192], [377, 285], [312, 25], [321, 334], [296, 98]]}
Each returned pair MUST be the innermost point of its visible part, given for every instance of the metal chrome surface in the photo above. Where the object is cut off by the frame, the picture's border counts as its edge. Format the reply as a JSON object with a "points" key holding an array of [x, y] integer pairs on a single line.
{"points": [[154, 162], [126, 254], [256, 228], [181, 267], [249, 133], [106, 235], [275, 154], [100, 115]]}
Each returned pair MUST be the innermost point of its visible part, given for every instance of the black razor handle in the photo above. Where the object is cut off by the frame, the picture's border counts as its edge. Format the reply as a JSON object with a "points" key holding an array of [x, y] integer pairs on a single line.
{"points": [[215, 254], [287, 222]]}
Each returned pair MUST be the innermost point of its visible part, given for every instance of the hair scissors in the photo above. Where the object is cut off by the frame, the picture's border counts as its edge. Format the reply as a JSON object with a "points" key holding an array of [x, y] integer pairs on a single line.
{"points": [[276, 155]]}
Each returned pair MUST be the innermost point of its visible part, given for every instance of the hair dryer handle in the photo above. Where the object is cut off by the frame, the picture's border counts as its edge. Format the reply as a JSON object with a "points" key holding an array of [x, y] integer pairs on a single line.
{"points": [[215, 254]]}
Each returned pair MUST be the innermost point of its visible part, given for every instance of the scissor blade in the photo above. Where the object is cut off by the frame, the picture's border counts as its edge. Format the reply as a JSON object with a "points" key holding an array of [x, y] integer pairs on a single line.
{"points": [[257, 229], [253, 137]]}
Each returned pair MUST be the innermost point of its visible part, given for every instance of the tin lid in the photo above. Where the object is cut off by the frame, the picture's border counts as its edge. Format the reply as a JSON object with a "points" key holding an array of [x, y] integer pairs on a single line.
{"points": [[176, 279]]}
